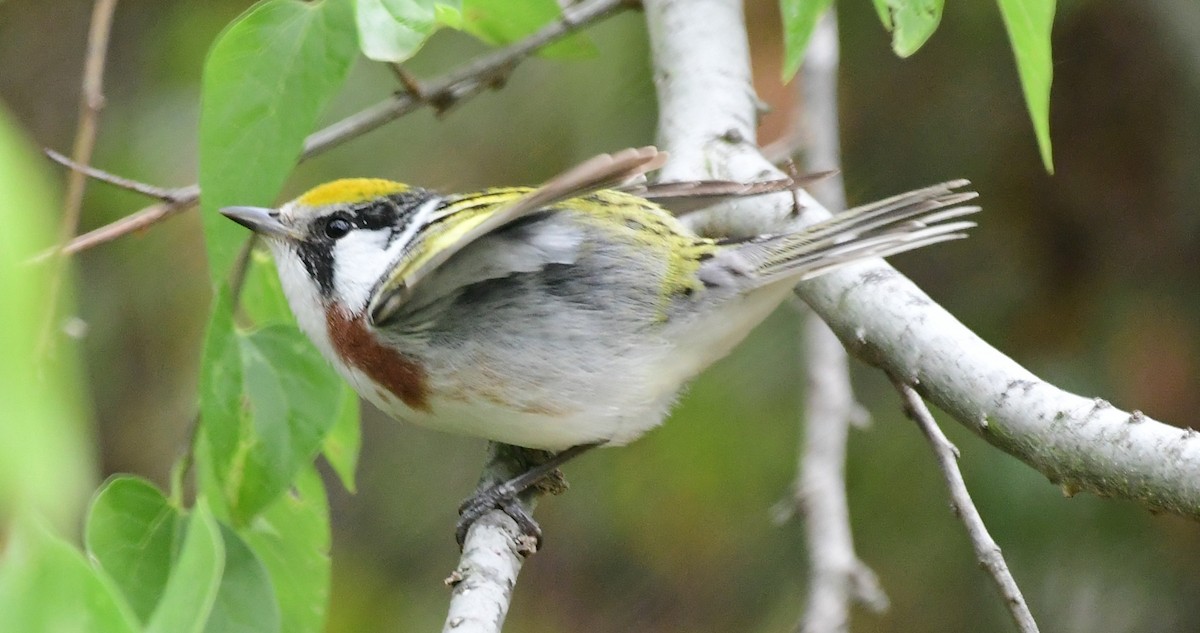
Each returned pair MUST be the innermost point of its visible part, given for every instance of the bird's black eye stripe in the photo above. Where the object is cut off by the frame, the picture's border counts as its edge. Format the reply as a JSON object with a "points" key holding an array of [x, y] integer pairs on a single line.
{"points": [[379, 215], [391, 214], [337, 227]]}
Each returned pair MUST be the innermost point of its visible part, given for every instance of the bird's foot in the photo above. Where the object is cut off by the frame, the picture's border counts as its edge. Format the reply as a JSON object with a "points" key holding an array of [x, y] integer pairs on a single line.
{"points": [[541, 474]]}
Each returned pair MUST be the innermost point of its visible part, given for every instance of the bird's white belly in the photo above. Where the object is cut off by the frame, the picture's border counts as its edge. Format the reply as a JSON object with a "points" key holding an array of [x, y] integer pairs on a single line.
{"points": [[548, 401], [551, 427]]}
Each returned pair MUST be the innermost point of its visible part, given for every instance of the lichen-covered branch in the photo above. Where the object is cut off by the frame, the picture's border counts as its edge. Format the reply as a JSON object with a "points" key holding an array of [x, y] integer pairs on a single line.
{"points": [[492, 554], [1082, 444]]}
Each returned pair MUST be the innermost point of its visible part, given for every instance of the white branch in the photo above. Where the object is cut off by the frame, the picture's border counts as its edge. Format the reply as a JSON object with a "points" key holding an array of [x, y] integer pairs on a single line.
{"points": [[837, 577], [493, 552], [820, 125], [702, 77], [986, 550], [486, 575], [707, 109]]}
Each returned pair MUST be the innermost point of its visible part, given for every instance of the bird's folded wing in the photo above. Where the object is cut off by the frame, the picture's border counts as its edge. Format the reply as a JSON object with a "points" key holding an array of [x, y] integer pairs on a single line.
{"points": [[601, 172]]}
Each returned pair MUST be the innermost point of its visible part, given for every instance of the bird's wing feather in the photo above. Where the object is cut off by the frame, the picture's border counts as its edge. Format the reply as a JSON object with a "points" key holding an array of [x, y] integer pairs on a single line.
{"points": [[600, 172], [683, 197]]}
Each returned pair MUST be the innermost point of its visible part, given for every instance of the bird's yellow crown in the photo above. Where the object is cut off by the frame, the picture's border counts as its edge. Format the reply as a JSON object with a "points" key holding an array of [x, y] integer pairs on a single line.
{"points": [[350, 191]]}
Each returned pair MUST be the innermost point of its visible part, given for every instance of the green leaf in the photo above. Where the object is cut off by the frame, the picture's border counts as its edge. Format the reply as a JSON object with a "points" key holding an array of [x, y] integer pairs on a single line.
{"points": [[262, 295], [296, 398], [246, 601], [1029, 23], [46, 463], [799, 19], [195, 577], [449, 16], [884, 12], [499, 22], [911, 22], [131, 532], [267, 77], [221, 409], [394, 30], [46, 585], [267, 400], [291, 537], [342, 443]]}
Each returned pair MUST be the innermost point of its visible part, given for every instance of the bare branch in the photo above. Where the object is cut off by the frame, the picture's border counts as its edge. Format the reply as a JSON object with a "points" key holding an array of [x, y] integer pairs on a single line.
{"points": [[91, 101], [148, 190], [1078, 443], [185, 198], [486, 576], [883, 318], [482, 74], [986, 549], [463, 83], [819, 125]]}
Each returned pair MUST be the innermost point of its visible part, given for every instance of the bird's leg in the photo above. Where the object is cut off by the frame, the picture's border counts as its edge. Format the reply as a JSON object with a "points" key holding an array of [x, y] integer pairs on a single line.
{"points": [[540, 469]]}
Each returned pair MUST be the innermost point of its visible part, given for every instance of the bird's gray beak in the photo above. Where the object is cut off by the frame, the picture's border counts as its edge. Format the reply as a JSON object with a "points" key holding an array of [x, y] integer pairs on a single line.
{"points": [[259, 220]]}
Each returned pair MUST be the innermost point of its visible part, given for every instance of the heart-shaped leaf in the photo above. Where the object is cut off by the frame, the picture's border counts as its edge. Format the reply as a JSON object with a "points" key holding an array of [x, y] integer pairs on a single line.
{"points": [[267, 400], [131, 533], [267, 77]]}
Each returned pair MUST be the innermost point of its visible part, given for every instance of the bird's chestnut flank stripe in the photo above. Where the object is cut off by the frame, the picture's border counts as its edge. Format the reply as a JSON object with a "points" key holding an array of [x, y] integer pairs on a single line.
{"points": [[386, 366]]}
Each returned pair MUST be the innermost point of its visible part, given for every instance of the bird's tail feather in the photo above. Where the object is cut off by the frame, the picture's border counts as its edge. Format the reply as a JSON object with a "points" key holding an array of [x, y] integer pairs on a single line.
{"points": [[887, 227]]}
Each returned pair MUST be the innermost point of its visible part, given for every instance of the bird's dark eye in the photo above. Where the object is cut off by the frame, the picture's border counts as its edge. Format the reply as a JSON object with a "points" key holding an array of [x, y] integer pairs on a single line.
{"points": [[337, 228]]}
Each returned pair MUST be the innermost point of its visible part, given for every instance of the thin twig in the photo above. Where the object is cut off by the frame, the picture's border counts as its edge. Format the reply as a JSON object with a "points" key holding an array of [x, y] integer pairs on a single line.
{"points": [[148, 190], [91, 101], [411, 84], [182, 466], [241, 266], [185, 198], [986, 550], [475, 77], [465, 82]]}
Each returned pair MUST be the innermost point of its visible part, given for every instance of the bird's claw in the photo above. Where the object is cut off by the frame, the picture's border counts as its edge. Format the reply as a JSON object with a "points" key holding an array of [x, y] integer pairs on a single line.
{"points": [[542, 475], [497, 498]]}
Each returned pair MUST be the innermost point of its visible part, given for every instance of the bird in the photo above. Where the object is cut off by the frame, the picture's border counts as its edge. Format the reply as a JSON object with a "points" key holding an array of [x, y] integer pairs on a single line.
{"points": [[558, 317]]}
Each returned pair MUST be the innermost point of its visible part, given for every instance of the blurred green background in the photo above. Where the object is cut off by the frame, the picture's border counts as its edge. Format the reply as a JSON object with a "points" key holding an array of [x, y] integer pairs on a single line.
{"points": [[1087, 277]]}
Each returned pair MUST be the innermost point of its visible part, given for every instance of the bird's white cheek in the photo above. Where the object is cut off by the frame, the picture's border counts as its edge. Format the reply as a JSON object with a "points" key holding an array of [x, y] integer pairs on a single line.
{"points": [[359, 260]]}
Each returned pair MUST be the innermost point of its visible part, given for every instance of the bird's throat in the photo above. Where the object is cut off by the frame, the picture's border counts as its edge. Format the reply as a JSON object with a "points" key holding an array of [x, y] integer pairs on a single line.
{"points": [[387, 367]]}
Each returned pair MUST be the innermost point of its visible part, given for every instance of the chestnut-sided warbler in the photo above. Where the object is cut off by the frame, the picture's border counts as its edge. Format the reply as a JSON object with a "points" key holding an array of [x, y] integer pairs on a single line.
{"points": [[548, 318]]}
